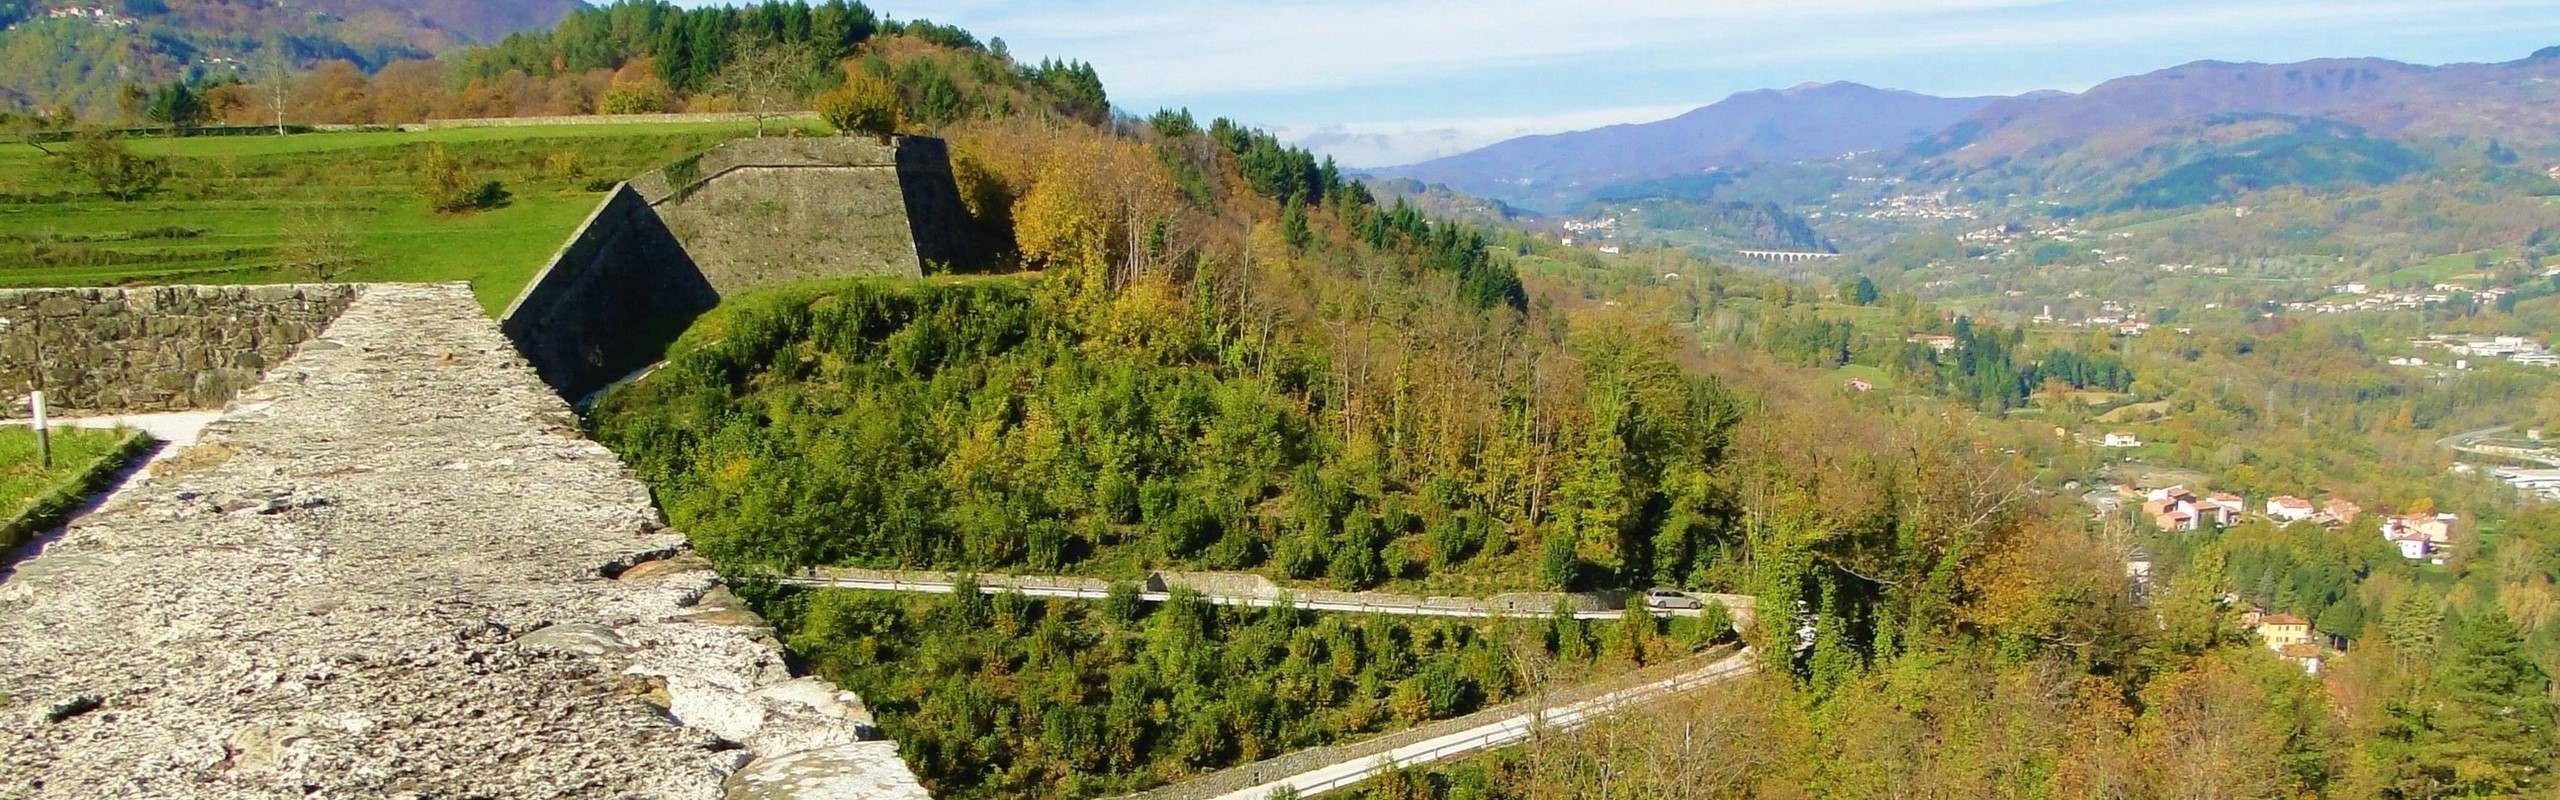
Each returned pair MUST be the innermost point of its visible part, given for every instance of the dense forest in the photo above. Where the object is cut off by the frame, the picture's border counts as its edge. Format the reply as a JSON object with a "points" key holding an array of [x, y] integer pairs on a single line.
{"points": [[1228, 356], [1003, 696]]}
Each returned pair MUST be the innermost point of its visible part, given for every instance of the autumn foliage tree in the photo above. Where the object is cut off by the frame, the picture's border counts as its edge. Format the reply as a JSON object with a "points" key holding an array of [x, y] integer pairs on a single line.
{"points": [[864, 105]]}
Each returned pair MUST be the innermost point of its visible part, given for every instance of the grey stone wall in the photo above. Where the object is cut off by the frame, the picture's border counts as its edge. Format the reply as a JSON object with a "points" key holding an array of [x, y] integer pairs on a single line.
{"points": [[148, 349], [761, 211], [668, 245], [609, 301]]}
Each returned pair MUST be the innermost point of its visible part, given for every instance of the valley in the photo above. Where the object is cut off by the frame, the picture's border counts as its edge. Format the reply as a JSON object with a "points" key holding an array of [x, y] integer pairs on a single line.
{"points": [[2179, 437]]}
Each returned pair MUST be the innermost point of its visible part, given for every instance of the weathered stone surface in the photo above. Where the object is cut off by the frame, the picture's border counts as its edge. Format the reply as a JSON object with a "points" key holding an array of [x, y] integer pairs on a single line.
{"points": [[145, 349], [853, 770], [389, 580], [583, 638]]}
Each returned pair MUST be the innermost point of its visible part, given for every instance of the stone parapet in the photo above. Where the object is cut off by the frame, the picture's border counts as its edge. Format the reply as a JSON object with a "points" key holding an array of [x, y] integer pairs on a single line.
{"points": [[152, 349]]}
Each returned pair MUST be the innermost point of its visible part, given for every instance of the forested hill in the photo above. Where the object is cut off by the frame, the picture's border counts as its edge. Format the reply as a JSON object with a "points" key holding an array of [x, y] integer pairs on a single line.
{"points": [[81, 52], [1217, 352], [1225, 356], [2388, 99]]}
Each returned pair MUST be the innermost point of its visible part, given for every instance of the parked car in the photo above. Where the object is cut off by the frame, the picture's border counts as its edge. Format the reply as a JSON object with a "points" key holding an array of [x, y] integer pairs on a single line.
{"points": [[1671, 599]]}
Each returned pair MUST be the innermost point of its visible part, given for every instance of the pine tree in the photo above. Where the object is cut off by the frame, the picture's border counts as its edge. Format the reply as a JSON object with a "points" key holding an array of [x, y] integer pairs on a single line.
{"points": [[2489, 716]]}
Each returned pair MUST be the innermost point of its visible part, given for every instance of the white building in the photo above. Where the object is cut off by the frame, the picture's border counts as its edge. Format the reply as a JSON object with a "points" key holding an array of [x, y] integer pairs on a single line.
{"points": [[2289, 508]]}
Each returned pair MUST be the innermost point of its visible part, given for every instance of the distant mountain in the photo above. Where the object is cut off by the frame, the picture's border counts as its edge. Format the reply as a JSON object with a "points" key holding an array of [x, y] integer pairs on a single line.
{"points": [[2386, 99], [482, 21], [80, 51], [1555, 172]]}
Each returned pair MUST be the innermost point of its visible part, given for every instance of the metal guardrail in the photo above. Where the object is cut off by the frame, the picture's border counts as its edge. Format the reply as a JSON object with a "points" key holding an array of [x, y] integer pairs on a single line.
{"points": [[1411, 609], [1507, 732]]}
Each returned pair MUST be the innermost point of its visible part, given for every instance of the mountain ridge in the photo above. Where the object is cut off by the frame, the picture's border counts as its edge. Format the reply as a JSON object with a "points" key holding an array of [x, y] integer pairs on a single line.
{"points": [[1550, 172], [79, 52]]}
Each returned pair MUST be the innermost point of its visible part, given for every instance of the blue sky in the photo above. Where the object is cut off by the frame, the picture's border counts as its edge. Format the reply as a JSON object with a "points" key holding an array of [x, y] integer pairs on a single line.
{"points": [[1378, 83]]}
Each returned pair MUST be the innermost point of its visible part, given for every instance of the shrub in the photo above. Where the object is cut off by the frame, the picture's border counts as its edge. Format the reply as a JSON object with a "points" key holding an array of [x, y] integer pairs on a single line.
{"points": [[638, 97], [119, 173], [865, 105], [450, 188], [318, 246]]}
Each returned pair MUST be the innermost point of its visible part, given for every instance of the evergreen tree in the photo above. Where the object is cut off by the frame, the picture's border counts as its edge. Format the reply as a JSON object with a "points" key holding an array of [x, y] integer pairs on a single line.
{"points": [[2488, 719]]}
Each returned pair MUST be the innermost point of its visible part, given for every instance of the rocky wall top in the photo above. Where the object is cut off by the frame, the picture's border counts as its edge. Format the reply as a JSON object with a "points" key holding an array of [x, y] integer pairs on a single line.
{"points": [[673, 181], [159, 348], [394, 569]]}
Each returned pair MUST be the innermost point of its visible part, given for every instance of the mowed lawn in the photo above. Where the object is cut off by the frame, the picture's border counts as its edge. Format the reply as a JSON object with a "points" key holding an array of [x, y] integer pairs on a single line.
{"points": [[223, 214]]}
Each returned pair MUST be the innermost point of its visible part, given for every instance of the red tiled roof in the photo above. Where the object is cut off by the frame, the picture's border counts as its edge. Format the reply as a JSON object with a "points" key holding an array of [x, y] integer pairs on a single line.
{"points": [[2284, 619]]}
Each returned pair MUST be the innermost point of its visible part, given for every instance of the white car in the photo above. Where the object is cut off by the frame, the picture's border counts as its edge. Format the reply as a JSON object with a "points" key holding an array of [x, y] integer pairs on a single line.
{"points": [[1671, 599]]}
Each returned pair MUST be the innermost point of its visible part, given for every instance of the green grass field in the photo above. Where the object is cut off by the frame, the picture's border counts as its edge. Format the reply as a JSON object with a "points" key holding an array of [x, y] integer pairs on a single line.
{"points": [[222, 215], [1866, 373], [2443, 268], [21, 478]]}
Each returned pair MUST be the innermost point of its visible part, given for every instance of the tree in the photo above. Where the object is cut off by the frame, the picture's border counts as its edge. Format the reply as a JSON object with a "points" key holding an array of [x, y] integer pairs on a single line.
{"points": [[864, 105], [1864, 292], [450, 188], [321, 246], [637, 89], [764, 77], [2485, 729], [119, 173]]}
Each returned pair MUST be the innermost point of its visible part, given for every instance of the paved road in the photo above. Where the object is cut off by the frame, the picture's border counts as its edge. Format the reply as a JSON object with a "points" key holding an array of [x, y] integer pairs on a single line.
{"points": [[1498, 734], [2456, 441], [1386, 605]]}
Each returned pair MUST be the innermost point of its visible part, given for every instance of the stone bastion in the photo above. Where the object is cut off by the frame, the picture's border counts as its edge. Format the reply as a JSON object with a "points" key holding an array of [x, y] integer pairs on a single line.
{"points": [[666, 246], [394, 569]]}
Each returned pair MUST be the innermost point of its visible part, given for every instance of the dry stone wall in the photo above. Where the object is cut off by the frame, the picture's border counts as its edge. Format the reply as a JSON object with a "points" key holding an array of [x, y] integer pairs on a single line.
{"points": [[163, 348], [394, 569]]}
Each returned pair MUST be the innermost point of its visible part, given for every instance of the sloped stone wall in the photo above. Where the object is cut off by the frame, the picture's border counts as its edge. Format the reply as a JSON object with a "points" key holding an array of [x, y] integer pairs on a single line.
{"points": [[669, 244], [610, 301], [150, 349]]}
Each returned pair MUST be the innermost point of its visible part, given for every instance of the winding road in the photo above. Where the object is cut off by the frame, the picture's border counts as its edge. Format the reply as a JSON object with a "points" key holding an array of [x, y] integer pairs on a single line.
{"points": [[1402, 605], [1496, 734]]}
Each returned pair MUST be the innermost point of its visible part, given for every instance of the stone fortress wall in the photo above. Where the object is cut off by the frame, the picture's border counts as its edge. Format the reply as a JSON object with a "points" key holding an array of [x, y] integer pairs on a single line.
{"points": [[394, 565], [152, 349], [394, 568], [667, 245]]}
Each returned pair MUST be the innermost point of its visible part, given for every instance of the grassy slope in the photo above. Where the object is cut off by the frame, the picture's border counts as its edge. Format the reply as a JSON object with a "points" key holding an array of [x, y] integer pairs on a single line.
{"points": [[240, 192]]}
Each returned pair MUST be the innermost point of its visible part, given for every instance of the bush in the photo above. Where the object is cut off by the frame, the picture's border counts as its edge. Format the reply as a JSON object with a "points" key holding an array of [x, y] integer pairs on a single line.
{"points": [[450, 188], [119, 173], [637, 98], [865, 105]]}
